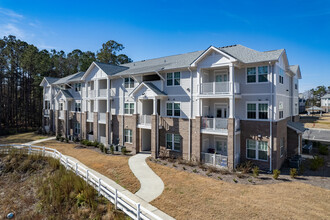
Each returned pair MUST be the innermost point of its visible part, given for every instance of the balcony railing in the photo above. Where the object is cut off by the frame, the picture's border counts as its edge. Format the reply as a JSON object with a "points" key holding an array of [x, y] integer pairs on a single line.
{"points": [[91, 93], [90, 116], [144, 119], [61, 114], [102, 139], [102, 92], [215, 124], [90, 137], [215, 159], [212, 88], [102, 117]]}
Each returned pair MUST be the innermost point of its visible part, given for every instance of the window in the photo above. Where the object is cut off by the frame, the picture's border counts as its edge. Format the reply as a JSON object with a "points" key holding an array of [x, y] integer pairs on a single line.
{"points": [[173, 142], [296, 108], [61, 106], [252, 111], [281, 76], [282, 146], [262, 73], [77, 106], [257, 150], [251, 75], [173, 79], [296, 85], [281, 114], [173, 109], [77, 87], [263, 111], [77, 128], [128, 136], [129, 82], [128, 108]]}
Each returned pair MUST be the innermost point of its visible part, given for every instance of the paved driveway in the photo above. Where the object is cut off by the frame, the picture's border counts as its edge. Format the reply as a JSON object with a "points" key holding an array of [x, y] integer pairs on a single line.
{"points": [[317, 135]]}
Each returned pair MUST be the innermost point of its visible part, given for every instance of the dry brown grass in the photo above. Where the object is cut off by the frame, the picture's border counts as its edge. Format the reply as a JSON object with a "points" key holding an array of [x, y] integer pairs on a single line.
{"points": [[114, 167], [191, 196], [317, 121], [20, 138]]}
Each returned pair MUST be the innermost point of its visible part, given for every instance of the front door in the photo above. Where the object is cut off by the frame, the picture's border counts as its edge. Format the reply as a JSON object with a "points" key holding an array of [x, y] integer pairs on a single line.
{"points": [[221, 77], [221, 146]]}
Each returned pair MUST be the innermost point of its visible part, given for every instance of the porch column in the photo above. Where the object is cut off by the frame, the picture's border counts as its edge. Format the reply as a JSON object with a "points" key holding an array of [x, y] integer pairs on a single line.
{"points": [[135, 106], [231, 121], [155, 107]]}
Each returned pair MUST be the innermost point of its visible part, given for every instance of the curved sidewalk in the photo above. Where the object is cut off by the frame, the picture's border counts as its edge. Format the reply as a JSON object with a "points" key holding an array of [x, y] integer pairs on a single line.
{"points": [[152, 185]]}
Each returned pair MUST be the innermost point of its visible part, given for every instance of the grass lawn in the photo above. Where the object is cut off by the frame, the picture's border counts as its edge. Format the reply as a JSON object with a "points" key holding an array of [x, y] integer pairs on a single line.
{"points": [[21, 138], [114, 167], [191, 196], [316, 121]]}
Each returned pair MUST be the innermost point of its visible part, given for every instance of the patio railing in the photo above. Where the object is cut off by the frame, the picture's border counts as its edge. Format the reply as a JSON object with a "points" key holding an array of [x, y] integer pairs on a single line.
{"points": [[215, 159]]}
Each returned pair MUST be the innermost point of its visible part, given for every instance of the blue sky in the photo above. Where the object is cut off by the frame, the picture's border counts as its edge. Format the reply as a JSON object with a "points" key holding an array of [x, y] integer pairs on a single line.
{"points": [[150, 29]]}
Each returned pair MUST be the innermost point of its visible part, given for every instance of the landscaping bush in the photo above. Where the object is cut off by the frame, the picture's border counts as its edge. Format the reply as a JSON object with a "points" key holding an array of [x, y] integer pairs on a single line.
{"points": [[245, 167], [67, 140], [293, 173], [101, 146], [95, 144], [316, 163], [58, 137], [123, 150], [276, 174], [323, 149], [62, 139], [255, 171], [112, 149], [89, 143], [106, 150]]}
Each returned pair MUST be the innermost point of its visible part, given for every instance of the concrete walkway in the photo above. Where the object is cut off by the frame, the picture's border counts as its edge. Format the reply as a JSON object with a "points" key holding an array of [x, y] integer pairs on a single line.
{"points": [[152, 185], [41, 140]]}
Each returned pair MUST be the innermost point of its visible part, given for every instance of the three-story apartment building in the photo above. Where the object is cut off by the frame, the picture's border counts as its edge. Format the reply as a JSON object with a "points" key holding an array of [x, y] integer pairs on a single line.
{"points": [[221, 106]]}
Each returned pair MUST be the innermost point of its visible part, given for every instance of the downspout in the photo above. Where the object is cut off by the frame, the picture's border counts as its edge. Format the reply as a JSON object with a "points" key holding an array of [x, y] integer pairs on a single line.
{"points": [[271, 120], [190, 117], [122, 118]]}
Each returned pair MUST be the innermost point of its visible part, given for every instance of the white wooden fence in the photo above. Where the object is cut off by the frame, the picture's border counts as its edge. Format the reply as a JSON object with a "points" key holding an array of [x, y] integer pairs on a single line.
{"points": [[121, 201]]}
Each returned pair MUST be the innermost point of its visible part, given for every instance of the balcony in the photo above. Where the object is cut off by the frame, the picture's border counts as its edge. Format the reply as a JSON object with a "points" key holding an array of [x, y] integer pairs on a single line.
{"points": [[214, 88], [61, 115], [90, 116], [47, 96], [215, 125], [91, 94], [102, 117], [144, 121], [214, 159], [102, 93]]}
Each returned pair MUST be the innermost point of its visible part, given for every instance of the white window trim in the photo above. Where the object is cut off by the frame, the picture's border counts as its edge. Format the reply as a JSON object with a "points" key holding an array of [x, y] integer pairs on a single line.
{"points": [[130, 78], [257, 150], [129, 108], [76, 86], [172, 109], [130, 135], [173, 79], [257, 75], [75, 128], [173, 142], [257, 110]]}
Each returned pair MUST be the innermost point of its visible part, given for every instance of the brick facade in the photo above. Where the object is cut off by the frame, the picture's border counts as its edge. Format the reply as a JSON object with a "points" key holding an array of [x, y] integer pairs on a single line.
{"points": [[196, 138]]}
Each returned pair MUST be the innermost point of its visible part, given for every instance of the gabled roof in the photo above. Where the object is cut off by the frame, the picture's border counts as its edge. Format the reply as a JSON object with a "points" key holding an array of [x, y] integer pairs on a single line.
{"points": [[70, 78], [297, 126], [327, 96], [231, 58], [296, 70], [66, 93], [150, 86], [50, 80]]}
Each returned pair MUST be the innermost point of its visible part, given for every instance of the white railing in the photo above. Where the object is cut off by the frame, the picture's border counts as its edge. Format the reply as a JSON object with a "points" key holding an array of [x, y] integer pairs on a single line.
{"points": [[61, 114], [144, 119], [90, 137], [102, 92], [102, 139], [214, 123], [90, 116], [215, 159], [210, 88], [237, 124], [102, 117], [91, 93], [47, 96], [121, 201]]}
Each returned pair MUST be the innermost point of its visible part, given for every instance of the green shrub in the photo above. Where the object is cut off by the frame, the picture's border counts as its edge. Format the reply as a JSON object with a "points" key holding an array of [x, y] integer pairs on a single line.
{"points": [[183, 168], [276, 174], [101, 146], [61, 139], [67, 140], [293, 173], [245, 167], [255, 171], [95, 144], [195, 171], [235, 180], [89, 143], [112, 149], [58, 137], [123, 150], [316, 163], [323, 149]]}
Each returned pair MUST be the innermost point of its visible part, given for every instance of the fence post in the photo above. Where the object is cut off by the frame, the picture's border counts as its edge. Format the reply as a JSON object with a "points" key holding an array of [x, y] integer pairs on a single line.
{"points": [[116, 198], [43, 151], [60, 158], [76, 168], [99, 187], [87, 176], [213, 159], [138, 211], [30, 149], [66, 163]]}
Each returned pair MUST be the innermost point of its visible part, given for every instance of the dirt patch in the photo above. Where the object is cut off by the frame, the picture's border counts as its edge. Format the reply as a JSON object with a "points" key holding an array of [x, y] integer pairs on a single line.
{"points": [[194, 196], [113, 166], [316, 121]]}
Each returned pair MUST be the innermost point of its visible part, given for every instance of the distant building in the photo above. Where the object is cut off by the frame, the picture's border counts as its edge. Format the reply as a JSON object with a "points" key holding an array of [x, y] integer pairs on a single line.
{"points": [[302, 103], [325, 102]]}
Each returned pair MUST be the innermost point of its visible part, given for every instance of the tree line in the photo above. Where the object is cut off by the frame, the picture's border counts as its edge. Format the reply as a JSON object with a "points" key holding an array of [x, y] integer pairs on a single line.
{"points": [[22, 68], [313, 96]]}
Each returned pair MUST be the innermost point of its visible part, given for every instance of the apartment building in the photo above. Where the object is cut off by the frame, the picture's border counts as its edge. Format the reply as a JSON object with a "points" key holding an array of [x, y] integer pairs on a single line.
{"points": [[325, 102], [221, 106]]}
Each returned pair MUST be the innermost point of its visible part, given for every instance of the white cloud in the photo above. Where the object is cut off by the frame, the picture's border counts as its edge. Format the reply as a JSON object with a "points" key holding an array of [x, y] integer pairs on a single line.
{"points": [[11, 29], [10, 13]]}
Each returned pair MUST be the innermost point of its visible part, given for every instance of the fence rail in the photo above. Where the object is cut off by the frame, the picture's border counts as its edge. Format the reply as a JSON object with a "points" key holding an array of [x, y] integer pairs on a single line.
{"points": [[121, 201], [215, 159]]}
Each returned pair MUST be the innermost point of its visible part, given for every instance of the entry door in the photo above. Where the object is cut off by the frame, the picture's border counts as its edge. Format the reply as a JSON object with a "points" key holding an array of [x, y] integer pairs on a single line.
{"points": [[221, 146], [221, 77], [221, 111]]}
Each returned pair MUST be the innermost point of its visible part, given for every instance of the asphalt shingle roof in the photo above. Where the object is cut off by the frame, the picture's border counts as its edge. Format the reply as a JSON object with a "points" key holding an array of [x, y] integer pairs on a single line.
{"points": [[325, 96], [70, 78], [297, 126], [67, 93], [51, 80], [154, 88]]}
